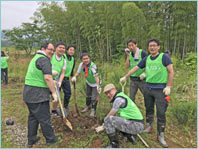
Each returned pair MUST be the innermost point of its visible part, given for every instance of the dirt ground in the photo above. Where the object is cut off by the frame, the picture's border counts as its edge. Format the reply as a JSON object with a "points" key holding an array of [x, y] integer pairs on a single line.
{"points": [[84, 127]]}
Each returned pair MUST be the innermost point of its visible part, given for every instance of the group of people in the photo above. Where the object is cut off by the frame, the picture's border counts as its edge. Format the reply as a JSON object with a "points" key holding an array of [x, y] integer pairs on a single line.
{"points": [[58, 64]]}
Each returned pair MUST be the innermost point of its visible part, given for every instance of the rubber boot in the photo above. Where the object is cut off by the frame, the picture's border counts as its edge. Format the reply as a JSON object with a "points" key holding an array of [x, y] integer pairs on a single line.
{"points": [[149, 124], [114, 143], [93, 113], [160, 135], [88, 107], [149, 128], [131, 138]]}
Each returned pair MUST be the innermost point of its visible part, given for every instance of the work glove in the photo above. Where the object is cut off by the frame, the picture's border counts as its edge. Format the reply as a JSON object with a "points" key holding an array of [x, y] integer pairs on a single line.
{"points": [[123, 79], [73, 79], [100, 128], [54, 73], [59, 84], [142, 76], [55, 97], [167, 90], [99, 89]]}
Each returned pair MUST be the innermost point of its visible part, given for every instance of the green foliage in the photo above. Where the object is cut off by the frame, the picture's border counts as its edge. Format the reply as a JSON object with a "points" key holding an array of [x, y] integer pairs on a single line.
{"points": [[191, 62], [185, 113]]}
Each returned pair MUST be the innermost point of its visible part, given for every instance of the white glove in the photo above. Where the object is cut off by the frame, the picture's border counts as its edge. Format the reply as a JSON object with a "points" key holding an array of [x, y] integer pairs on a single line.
{"points": [[73, 79], [99, 89], [59, 84], [100, 128], [167, 90], [142, 76], [54, 73], [123, 79], [55, 97], [127, 50]]}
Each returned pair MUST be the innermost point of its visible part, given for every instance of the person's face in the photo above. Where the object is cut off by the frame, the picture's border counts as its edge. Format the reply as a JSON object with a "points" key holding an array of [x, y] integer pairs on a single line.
{"points": [[110, 94], [153, 48], [50, 50], [71, 51], [60, 50], [132, 46], [86, 60]]}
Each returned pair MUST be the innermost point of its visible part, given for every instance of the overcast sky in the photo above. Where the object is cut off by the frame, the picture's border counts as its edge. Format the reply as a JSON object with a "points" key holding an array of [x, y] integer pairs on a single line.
{"points": [[14, 13]]}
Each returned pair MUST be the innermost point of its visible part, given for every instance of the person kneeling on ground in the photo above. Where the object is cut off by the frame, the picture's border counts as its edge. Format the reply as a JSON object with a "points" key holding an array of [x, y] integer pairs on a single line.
{"points": [[130, 120]]}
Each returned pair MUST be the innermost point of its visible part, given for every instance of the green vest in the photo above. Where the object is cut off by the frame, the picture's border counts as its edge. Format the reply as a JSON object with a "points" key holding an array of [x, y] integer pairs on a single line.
{"points": [[4, 62], [69, 67], [134, 63], [57, 65], [131, 111], [90, 78], [34, 76], [156, 72]]}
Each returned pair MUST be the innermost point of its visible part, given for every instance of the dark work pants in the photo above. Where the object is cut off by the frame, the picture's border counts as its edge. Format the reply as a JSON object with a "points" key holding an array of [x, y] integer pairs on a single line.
{"points": [[152, 97], [39, 113], [4, 75], [92, 95], [66, 90]]}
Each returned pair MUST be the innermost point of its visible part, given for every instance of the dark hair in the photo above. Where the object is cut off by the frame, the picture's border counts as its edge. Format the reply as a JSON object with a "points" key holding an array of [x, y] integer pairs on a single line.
{"points": [[132, 40], [69, 46], [45, 45], [84, 54], [154, 40], [167, 52], [59, 43], [2, 53]]}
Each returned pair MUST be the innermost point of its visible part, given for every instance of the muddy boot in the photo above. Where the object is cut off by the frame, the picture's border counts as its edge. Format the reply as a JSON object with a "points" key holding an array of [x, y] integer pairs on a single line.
{"points": [[160, 134], [161, 139], [86, 109], [131, 138], [93, 113], [148, 129], [114, 143]]}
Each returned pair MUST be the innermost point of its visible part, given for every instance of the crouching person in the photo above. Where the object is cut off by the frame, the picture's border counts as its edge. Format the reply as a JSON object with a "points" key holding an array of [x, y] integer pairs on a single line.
{"points": [[130, 120]]}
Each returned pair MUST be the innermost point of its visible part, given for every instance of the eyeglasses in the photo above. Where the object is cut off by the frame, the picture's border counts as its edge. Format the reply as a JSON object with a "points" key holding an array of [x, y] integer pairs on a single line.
{"points": [[150, 46], [53, 50]]}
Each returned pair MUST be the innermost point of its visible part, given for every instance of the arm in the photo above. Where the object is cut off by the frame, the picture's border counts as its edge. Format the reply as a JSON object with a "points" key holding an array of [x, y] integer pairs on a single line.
{"points": [[62, 75], [132, 71], [112, 113], [97, 80], [170, 74], [49, 82], [127, 63]]}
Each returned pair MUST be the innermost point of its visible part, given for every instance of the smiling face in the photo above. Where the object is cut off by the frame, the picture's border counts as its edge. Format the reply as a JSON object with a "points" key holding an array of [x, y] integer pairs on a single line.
{"points": [[49, 50], [86, 60], [153, 48], [71, 51], [132, 47], [110, 94], [60, 50]]}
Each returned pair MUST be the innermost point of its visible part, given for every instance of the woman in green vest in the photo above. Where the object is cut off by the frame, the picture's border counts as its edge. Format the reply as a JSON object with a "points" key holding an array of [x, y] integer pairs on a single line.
{"points": [[4, 67], [159, 78], [70, 60], [89, 70], [134, 56], [129, 120]]}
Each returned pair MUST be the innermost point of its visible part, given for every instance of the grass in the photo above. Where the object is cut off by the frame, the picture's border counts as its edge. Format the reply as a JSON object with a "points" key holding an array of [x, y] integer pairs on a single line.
{"points": [[183, 90]]}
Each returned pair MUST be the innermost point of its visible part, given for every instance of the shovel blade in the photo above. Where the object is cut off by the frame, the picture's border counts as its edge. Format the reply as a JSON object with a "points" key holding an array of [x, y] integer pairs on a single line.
{"points": [[67, 123]]}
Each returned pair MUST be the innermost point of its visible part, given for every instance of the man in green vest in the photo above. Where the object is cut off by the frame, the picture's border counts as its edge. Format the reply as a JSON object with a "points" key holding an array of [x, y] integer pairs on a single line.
{"points": [[4, 67], [59, 66], [89, 70], [159, 78], [130, 120], [36, 95], [69, 57], [134, 56]]}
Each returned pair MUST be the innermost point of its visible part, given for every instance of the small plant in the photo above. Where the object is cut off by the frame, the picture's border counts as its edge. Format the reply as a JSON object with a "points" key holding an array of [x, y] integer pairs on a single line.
{"points": [[185, 113]]}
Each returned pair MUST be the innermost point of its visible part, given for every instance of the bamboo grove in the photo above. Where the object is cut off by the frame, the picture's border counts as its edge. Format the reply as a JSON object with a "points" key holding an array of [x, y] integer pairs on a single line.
{"points": [[102, 28]]}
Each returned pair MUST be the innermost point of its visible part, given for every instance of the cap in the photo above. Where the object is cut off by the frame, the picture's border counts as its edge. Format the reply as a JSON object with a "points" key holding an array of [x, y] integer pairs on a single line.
{"points": [[108, 87]]}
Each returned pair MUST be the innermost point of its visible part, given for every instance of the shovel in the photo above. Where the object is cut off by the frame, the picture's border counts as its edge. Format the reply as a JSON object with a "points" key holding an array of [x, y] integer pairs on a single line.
{"points": [[75, 99], [65, 120], [144, 142]]}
